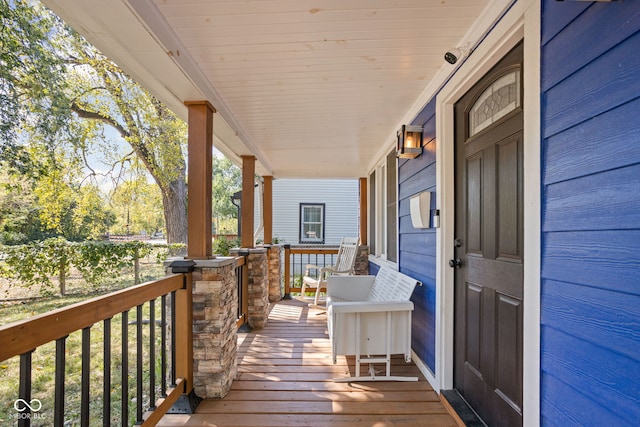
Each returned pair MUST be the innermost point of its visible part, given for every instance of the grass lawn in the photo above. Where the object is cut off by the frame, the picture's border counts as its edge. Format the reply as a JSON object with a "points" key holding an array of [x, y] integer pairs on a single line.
{"points": [[43, 363]]}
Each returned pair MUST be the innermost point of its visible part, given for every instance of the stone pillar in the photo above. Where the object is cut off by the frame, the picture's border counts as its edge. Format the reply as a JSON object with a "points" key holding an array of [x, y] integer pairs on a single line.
{"points": [[362, 260], [215, 341], [274, 253], [257, 266]]}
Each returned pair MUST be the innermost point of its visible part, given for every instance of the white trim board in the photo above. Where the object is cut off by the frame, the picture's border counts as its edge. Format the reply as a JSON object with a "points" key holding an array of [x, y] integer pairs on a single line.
{"points": [[522, 21]]}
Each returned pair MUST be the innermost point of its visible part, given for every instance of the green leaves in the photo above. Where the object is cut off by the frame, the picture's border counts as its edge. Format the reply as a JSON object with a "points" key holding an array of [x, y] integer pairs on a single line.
{"points": [[39, 262], [31, 67]]}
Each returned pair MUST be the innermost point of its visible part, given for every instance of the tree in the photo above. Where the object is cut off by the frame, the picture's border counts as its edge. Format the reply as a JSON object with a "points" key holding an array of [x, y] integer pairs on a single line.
{"points": [[227, 179], [36, 208], [156, 135], [19, 212], [59, 89], [138, 206], [30, 72]]}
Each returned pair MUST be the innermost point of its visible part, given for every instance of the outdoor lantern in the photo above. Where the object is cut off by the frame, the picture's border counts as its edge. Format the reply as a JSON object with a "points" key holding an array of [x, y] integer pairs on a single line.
{"points": [[409, 142]]}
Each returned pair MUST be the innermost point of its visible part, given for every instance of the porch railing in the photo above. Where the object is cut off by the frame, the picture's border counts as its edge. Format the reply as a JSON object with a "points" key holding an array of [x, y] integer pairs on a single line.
{"points": [[172, 360], [297, 257], [242, 283]]}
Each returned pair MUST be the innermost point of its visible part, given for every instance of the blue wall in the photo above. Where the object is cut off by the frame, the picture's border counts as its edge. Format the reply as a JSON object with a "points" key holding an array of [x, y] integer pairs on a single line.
{"points": [[418, 246], [590, 331]]}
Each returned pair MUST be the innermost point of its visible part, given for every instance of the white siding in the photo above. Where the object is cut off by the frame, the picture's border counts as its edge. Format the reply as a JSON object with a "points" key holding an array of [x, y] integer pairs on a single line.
{"points": [[341, 200]]}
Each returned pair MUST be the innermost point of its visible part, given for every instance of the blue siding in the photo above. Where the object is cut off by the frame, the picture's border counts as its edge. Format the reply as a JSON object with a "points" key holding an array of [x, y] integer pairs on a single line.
{"points": [[417, 247], [590, 296]]}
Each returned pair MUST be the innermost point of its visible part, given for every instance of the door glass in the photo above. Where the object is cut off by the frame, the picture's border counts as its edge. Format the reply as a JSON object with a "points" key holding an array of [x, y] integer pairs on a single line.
{"points": [[498, 100]]}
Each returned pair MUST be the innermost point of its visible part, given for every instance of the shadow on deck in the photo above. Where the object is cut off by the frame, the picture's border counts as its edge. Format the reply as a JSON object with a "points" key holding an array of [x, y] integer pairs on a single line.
{"points": [[285, 378]]}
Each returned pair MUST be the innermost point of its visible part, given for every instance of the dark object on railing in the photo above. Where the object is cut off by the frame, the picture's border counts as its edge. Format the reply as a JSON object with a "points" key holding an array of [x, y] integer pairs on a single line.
{"points": [[173, 338], [58, 405], [25, 387], [287, 272], [186, 404], [106, 384], [163, 347], [242, 286], [183, 266], [152, 354], [139, 367], [124, 378], [86, 371]]}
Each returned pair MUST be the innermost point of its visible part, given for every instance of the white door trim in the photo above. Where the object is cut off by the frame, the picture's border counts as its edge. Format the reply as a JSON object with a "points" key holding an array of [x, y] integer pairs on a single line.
{"points": [[522, 21]]}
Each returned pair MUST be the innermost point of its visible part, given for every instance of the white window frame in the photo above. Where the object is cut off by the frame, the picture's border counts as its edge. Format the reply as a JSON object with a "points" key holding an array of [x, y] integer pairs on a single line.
{"points": [[302, 237], [381, 202]]}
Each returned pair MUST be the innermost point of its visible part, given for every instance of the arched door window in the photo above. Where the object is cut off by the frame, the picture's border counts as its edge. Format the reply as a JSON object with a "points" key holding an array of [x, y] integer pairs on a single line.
{"points": [[498, 100]]}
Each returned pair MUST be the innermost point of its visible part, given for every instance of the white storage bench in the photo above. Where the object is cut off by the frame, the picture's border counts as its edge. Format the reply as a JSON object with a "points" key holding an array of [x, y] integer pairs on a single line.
{"points": [[369, 317]]}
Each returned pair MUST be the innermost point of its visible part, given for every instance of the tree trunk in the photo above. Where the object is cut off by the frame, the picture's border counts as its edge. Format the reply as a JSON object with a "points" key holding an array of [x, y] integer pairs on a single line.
{"points": [[174, 202]]}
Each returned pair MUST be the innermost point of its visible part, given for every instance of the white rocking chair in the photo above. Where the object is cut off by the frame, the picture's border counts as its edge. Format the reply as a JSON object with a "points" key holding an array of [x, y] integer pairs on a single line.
{"points": [[344, 266]]}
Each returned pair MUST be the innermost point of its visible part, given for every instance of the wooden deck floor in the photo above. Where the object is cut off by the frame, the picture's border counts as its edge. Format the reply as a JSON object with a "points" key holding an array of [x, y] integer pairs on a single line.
{"points": [[285, 377]]}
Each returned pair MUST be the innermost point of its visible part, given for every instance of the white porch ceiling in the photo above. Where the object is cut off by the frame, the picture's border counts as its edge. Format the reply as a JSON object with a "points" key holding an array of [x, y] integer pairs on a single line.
{"points": [[312, 88]]}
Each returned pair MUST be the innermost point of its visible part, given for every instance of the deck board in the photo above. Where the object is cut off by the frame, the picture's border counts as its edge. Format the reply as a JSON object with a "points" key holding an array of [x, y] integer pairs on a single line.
{"points": [[285, 374]]}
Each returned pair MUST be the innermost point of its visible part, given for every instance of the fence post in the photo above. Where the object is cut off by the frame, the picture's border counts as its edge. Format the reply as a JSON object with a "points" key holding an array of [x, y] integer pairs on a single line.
{"points": [[136, 267], [287, 272], [187, 403], [62, 274]]}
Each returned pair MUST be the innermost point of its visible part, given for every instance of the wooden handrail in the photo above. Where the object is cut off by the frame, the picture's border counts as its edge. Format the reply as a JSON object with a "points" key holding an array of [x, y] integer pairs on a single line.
{"points": [[313, 251], [25, 335]]}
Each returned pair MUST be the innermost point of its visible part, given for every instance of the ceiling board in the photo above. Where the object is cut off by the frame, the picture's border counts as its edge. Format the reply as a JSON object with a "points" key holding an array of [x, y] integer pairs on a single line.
{"points": [[312, 88]]}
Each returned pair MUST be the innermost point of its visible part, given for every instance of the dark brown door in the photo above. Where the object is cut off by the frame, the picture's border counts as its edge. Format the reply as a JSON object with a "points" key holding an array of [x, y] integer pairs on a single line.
{"points": [[489, 244]]}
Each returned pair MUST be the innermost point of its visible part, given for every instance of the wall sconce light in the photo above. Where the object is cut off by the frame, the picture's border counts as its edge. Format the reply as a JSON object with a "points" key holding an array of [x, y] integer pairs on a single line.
{"points": [[409, 142]]}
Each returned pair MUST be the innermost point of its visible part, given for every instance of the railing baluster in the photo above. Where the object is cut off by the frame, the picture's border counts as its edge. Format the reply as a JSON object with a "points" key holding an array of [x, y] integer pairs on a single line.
{"points": [[152, 355], [302, 263], [239, 312], [287, 271], [173, 339], [25, 388], [139, 362], [58, 404], [106, 382], [124, 393], [163, 346], [86, 371]]}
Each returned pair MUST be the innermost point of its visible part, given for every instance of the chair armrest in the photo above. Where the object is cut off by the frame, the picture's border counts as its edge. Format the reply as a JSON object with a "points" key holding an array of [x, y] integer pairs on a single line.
{"points": [[370, 306], [351, 288], [309, 267]]}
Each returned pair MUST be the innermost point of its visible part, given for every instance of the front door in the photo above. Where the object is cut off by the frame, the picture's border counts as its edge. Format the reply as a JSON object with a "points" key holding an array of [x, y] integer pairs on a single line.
{"points": [[488, 259]]}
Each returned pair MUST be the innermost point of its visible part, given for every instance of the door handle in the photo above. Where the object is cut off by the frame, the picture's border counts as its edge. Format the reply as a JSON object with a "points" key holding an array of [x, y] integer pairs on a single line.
{"points": [[455, 263]]}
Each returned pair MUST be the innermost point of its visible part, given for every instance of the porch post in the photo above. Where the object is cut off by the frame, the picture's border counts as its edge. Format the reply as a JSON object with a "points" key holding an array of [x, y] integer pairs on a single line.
{"points": [[248, 201], [363, 212], [184, 332], [267, 206], [200, 144]]}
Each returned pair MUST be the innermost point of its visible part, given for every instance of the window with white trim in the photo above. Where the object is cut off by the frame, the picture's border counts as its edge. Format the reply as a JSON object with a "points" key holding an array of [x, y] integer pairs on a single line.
{"points": [[383, 210], [312, 222]]}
